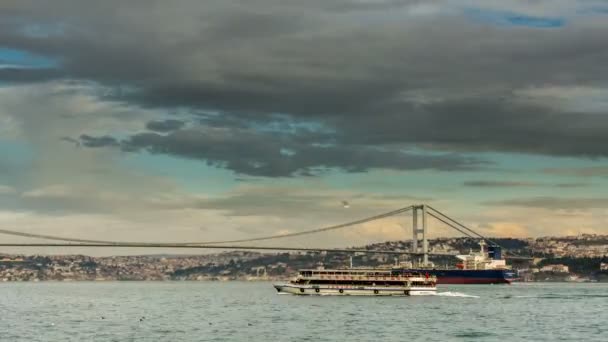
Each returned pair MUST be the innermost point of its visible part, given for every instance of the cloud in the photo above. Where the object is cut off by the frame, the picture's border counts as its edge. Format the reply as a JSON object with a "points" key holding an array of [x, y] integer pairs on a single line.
{"points": [[506, 229], [571, 185], [289, 90], [392, 229], [513, 184], [499, 184], [103, 141], [301, 200], [532, 221], [165, 125], [166, 226], [372, 85], [55, 191], [266, 154], [594, 171], [28, 75], [22, 59], [5, 189], [48, 168], [246, 211], [574, 203], [515, 19], [574, 98], [62, 185]]}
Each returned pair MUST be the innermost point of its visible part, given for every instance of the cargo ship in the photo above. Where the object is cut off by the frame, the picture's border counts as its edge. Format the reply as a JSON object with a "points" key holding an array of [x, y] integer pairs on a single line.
{"points": [[484, 267]]}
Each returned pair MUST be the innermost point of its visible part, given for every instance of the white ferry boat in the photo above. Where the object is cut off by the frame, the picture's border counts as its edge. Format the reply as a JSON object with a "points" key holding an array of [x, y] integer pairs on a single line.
{"points": [[359, 282]]}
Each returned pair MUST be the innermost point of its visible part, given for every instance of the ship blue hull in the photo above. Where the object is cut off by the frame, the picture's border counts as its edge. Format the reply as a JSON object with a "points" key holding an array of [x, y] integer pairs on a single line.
{"points": [[449, 276]]}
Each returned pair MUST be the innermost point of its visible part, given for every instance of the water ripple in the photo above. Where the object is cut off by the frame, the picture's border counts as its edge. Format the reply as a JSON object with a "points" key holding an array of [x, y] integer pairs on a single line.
{"points": [[192, 311]]}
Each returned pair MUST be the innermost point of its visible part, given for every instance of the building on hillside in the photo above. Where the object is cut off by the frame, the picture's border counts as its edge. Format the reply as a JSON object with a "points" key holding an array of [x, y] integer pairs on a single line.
{"points": [[559, 268]]}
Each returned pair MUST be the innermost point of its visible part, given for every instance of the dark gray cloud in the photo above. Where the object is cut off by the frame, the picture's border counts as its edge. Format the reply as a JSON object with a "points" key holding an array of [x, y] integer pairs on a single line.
{"points": [[71, 140], [512, 184], [373, 74], [478, 124], [89, 141], [277, 155], [499, 184], [165, 125], [554, 203], [18, 75]]}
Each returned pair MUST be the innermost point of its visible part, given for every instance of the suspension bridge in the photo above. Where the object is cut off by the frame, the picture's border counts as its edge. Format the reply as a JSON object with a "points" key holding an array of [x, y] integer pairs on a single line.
{"points": [[419, 246]]}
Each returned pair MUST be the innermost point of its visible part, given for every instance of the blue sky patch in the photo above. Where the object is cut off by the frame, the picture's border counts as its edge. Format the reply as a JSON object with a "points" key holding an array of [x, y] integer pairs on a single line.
{"points": [[594, 10], [23, 59], [37, 30], [503, 18]]}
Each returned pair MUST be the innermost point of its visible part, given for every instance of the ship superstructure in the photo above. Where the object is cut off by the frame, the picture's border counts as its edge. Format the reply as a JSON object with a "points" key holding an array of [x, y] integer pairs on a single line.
{"points": [[488, 258]]}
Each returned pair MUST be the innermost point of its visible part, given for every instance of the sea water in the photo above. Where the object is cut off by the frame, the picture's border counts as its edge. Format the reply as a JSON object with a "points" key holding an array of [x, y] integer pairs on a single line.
{"points": [[253, 311]]}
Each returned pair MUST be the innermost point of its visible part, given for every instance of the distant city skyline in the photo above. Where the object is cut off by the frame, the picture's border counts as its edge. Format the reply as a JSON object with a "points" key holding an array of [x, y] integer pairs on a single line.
{"points": [[190, 120]]}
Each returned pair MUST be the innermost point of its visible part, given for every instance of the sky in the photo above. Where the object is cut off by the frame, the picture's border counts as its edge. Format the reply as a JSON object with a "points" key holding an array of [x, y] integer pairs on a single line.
{"points": [[209, 120]]}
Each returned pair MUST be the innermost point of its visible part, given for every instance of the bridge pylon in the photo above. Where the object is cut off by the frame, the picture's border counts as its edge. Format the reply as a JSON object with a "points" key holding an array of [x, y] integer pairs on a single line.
{"points": [[420, 243]]}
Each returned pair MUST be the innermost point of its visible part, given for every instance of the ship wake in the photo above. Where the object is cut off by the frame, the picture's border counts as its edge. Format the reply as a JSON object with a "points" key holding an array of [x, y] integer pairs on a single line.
{"points": [[455, 294]]}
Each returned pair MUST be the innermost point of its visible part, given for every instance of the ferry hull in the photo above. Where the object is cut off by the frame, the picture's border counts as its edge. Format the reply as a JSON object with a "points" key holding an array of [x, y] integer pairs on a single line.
{"points": [[471, 276], [307, 290]]}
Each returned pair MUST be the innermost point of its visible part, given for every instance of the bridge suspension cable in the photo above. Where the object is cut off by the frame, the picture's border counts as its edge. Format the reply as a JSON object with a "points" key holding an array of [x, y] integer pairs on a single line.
{"points": [[51, 237], [270, 237], [312, 231], [456, 223], [449, 224], [170, 245], [221, 244]]}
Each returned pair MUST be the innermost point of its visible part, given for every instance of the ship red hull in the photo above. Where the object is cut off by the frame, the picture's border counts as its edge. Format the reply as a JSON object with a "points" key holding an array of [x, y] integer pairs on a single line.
{"points": [[456, 276], [470, 280]]}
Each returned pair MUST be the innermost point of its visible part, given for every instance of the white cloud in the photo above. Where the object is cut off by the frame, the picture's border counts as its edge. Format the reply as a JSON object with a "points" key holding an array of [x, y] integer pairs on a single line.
{"points": [[572, 98], [51, 110], [5, 189], [534, 222], [52, 191]]}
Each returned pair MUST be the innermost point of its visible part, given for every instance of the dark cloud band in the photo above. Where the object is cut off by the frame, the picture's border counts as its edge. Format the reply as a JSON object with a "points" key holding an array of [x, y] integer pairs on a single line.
{"points": [[266, 154], [438, 81]]}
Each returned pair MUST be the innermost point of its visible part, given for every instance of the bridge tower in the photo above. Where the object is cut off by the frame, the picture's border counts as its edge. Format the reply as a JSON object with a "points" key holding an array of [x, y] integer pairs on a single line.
{"points": [[419, 234]]}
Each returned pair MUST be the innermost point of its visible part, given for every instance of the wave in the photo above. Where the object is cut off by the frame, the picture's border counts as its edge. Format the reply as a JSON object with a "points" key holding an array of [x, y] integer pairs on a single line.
{"points": [[455, 294], [562, 296]]}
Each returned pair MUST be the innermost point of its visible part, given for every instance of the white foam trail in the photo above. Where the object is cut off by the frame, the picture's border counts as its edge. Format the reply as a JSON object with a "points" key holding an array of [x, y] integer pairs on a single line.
{"points": [[455, 294]]}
